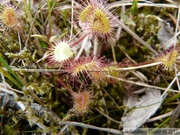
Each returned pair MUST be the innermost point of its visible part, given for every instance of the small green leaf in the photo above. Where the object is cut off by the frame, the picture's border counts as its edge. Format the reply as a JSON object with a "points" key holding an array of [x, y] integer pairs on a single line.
{"points": [[134, 8], [43, 44], [127, 20], [44, 38]]}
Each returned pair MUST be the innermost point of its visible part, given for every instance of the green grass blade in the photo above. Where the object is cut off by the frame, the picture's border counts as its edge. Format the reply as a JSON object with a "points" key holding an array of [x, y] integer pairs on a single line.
{"points": [[7, 75], [20, 84]]}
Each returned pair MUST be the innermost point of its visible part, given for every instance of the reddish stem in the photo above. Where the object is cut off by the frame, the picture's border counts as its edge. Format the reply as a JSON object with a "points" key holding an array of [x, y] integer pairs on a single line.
{"points": [[79, 40], [64, 85]]}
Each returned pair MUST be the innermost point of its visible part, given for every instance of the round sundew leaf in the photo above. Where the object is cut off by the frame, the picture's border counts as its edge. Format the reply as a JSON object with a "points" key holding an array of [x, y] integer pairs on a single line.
{"points": [[9, 17], [62, 52], [87, 14]]}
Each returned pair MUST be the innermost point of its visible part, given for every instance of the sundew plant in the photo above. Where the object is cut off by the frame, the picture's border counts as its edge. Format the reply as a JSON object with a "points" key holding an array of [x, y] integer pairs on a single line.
{"points": [[89, 67]]}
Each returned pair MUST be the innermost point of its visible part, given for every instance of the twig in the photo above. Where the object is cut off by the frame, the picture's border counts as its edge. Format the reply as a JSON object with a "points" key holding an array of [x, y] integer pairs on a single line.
{"points": [[165, 92], [139, 67], [160, 117], [41, 109], [178, 16], [95, 46], [141, 84], [72, 14], [82, 47], [170, 40], [60, 70], [135, 36], [108, 116], [118, 4], [175, 115], [109, 130], [113, 53]]}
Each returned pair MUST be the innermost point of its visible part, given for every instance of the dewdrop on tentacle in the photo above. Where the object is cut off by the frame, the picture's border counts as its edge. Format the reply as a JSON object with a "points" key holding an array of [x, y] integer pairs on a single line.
{"points": [[95, 18], [81, 102], [87, 66], [59, 52], [101, 24], [168, 58], [86, 16]]}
